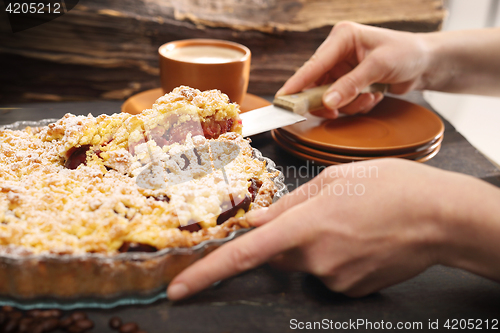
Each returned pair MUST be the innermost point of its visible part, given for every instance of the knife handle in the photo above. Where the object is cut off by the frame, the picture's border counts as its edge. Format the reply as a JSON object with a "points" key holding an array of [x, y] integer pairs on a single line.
{"points": [[312, 99]]}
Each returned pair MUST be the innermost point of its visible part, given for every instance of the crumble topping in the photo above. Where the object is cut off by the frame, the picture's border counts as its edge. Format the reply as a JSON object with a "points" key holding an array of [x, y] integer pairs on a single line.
{"points": [[172, 116], [75, 186]]}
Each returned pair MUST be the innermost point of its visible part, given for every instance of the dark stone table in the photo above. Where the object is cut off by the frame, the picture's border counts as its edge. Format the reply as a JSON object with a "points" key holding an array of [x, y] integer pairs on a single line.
{"points": [[266, 300]]}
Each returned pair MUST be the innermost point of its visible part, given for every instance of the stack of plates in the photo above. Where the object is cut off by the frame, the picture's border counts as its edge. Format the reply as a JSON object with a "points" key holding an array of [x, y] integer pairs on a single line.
{"points": [[394, 128]]}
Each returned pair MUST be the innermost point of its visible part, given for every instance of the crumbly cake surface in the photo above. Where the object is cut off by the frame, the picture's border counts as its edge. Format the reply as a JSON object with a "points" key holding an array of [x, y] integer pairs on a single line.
{"points": [[183, 110], [97, 206]]}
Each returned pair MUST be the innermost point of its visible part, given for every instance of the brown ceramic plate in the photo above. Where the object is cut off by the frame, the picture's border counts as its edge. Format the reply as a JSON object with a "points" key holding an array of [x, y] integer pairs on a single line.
{"points": [[144, 100], [326, 161], [393, 126], [279, 136]]}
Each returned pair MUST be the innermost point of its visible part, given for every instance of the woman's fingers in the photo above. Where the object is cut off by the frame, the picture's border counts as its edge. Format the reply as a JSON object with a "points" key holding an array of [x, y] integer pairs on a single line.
{"points": [[293, 224], [337, 46], [378, 98], [305, 192], [290, 261], [325, 113], [337, 58], [362, 104], [347, 88], [246, 252]]}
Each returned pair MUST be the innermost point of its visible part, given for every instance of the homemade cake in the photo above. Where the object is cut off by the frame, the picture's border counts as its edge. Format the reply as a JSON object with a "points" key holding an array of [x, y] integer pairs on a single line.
{"points": [[173, 176]]}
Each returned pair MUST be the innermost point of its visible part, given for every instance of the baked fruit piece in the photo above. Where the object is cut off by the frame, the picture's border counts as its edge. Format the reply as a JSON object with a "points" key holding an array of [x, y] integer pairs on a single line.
{"points": [[184, 110], [71, 187]]}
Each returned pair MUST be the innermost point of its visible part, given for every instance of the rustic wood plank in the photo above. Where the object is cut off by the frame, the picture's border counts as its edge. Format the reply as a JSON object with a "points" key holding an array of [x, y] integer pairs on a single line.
{"points": [[108, 49], [303, 15]]}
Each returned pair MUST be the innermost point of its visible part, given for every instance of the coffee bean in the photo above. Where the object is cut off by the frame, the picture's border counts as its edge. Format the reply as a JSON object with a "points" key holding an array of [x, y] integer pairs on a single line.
{"points": [[34, 313], [74, 329], [45, 321], [129, 328], [115, 323], [7, 308], [24, 324], [15, 315], [37, 328], [78, 315], [56, 313], [50, 324], [53, 313], [65, 322], [11, 326], [45, 314], [84, 324]]}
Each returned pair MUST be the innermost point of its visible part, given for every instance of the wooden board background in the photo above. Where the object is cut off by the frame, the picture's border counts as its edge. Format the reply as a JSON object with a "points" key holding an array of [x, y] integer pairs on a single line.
{"points": [[107, 49]]}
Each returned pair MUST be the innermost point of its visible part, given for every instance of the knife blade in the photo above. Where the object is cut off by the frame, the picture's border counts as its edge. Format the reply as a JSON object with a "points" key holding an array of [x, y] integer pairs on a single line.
{"points": [[267, 118], [289, 109]]}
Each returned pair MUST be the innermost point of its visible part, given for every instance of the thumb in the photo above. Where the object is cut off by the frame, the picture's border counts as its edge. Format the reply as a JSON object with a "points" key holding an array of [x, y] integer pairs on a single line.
{"points": [[347, 87]]}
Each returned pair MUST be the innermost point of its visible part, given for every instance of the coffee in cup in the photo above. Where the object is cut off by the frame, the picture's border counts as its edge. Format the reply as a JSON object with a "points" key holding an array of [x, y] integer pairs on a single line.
{"points": [[206, 64], [204, 54]]}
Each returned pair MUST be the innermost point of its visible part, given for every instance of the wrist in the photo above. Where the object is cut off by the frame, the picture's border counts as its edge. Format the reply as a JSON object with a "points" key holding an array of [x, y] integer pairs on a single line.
{"points": [[469, 218], [439, 69], [463, 61]]}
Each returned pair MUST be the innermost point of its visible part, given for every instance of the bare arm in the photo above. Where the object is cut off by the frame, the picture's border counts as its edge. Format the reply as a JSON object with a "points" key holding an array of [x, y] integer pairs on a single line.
{"points": [[407, 218], [464, 61], [355, 56]]}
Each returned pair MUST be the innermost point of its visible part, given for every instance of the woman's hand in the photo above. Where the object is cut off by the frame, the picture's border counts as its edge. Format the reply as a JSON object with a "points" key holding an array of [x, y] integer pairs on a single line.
{"points": [[355, 56], [361, 227]]}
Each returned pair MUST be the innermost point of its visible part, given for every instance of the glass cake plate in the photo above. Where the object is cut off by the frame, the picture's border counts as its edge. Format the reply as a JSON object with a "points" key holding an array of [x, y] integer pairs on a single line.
{"points": [[147, 274]]}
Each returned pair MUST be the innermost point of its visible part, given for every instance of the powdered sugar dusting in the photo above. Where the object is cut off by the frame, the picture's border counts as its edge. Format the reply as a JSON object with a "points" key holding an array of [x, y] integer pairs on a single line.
{"points": [[96, 207]]}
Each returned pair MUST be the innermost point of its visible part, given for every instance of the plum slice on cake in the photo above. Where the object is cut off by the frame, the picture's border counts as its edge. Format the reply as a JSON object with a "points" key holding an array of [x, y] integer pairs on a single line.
{"points": [[172, 117]]}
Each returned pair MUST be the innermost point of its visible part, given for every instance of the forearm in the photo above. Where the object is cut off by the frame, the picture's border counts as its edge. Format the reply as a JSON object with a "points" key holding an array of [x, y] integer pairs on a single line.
{"points": [[464, 62], [472, 228]]}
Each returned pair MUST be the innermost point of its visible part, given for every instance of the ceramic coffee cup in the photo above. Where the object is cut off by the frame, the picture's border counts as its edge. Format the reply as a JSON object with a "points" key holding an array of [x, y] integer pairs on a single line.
{"points": [[206, 64]]}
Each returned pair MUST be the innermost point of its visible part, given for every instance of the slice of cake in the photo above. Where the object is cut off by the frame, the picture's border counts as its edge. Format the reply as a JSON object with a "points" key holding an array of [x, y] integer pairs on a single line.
{"points": [[184, 110]]}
